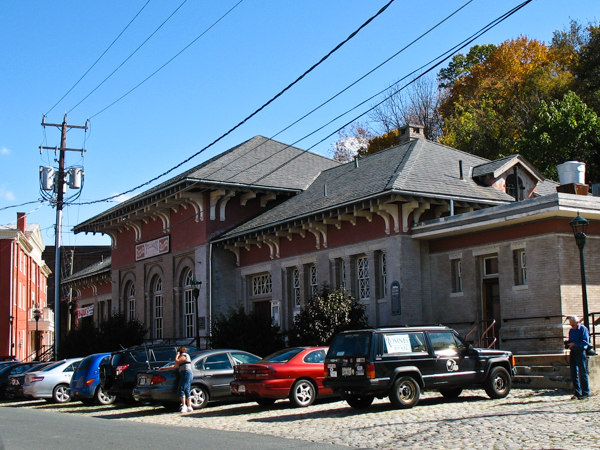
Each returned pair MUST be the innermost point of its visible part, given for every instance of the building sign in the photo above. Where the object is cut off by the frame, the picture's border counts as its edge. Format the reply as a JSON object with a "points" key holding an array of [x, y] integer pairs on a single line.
{"points": [[152, 248], [85, 312]]}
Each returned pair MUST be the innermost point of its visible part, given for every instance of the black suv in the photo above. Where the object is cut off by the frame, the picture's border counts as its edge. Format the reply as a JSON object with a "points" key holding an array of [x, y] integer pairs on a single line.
{"points": [[118, 376], [400, 362]]}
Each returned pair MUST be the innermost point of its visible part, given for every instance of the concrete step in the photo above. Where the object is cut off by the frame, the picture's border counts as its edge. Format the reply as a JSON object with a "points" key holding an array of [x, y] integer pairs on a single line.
{"points": [[541, 382], [542, 360], [543, 370]]}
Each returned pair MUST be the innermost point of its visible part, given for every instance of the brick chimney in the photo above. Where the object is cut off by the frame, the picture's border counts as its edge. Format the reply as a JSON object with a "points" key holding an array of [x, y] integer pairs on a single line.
{"points": [[410, 132], [21, 222]]}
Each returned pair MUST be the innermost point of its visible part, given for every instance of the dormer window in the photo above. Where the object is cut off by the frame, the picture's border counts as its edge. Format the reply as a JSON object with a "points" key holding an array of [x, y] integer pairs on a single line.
{"points": [[517, 191]]}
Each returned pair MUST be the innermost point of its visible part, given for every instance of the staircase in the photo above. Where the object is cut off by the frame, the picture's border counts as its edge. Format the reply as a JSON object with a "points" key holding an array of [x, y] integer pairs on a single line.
{"points": [[551, 372]]}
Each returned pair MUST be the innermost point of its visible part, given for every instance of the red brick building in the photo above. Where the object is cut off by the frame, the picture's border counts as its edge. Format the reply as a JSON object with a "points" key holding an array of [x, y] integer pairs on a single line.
{"points": [[23, 291]]}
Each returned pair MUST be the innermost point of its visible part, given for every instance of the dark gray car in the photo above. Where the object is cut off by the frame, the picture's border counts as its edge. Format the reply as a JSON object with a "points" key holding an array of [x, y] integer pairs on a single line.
{"points": [[212, 369]]}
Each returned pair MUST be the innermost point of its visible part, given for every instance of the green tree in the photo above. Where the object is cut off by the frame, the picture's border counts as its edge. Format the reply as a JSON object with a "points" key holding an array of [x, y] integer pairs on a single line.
{"points": [[586, 67], [461, 65], [252, 332], [564, 130], [325, 314]]}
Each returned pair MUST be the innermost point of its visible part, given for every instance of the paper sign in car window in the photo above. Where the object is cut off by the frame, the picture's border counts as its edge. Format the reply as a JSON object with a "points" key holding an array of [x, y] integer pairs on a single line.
{"points": [[397, 343]]}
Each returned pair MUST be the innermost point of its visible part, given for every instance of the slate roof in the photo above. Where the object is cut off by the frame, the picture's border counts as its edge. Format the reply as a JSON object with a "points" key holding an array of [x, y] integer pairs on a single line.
{"points": [[257, 163], [419, 168], [500, 166], [94, 269]]}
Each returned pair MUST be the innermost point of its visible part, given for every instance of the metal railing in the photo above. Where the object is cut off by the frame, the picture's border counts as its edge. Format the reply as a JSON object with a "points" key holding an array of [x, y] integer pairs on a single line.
{"points": [[487, 337], [45, 353]]}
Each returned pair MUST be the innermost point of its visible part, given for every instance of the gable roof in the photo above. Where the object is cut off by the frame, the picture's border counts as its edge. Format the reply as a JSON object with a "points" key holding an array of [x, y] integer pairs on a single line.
{"points": [[416, 168], [98, 268], [500, 166]]}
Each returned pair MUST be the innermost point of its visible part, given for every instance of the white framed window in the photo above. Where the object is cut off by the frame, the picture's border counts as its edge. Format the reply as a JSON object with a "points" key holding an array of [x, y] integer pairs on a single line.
{"points": [[362, 276], [130, 292], [456, 269], [313, 280], [296, 288], [383, 274], [189, 306], [520, 267], [261, 285], [158, 309]]}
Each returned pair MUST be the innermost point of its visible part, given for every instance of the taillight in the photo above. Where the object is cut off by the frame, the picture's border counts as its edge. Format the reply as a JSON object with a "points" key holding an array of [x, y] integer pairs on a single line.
{"points": [[371, 371], [89, 382], [264, 373], [119, 370], [157, 379], [14, 382], [34, 379]]}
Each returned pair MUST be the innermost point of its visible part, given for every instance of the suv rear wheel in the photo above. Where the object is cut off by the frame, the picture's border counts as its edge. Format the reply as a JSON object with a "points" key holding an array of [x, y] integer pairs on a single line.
{"points": [[405, 392], [102, 398], [498, 383]]}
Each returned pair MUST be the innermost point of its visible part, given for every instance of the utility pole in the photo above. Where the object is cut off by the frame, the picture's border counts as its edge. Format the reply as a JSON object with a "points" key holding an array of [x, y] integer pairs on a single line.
{"points": [[59, 186]]}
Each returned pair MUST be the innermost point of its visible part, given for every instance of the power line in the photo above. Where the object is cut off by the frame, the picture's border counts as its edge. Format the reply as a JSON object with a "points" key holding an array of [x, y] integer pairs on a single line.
{"points": [[168, 62], [352, 35], [129, 57], [99, 58], [443, 57]]}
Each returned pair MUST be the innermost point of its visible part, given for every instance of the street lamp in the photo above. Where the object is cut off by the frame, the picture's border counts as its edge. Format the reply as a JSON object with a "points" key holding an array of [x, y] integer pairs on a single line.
{"points": [[37, 314], [196, 293], [579, 226]]}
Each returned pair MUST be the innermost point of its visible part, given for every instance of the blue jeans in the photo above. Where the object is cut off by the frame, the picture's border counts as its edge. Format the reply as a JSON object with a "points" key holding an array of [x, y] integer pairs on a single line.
{"points": [[579, 373], [185, 382]]}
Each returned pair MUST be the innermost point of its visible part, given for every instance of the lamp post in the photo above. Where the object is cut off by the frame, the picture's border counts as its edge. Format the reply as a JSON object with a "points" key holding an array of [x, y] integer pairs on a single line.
{"points": [[196, 292], [37, 314], [579, 226]]}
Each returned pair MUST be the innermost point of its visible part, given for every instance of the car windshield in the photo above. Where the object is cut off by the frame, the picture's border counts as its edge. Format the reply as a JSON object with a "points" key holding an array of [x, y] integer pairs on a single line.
{"points": [[350, 344], [281, 356]]}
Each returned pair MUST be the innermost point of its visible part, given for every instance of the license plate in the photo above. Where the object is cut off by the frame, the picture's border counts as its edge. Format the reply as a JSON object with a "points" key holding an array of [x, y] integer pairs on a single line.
{"points": [[346, 371], [241, 388], [143, 382]]}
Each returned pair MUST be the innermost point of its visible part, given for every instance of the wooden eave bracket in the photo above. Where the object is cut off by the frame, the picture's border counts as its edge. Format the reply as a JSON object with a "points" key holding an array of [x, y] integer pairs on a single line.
{"points": [[420, 210], [197, 202], [215, 196], [407, 208], [247, 196], [388, 211], [267, 198], [236, 252], [320, 232], [223, 203], [362, 213], [273, 243]]}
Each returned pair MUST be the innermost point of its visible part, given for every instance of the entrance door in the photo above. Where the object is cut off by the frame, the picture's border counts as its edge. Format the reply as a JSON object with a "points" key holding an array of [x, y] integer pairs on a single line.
{"points": [[491, 309], [263, 308]]}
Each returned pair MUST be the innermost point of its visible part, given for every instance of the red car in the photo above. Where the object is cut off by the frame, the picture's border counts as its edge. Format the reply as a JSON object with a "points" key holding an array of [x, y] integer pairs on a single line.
{"points": [[295, 373]]}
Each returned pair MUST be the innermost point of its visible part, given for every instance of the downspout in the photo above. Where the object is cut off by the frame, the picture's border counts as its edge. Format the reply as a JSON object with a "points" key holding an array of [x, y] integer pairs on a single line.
{"points": [[210, 288], [12, 301]]}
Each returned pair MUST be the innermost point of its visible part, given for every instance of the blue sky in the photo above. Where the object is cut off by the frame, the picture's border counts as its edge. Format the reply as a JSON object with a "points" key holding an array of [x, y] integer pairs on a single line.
{"points": [[231, 70]]}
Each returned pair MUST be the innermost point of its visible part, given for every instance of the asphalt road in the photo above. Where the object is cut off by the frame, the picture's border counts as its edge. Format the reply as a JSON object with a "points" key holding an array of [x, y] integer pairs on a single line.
{"points": [[28, 429]]}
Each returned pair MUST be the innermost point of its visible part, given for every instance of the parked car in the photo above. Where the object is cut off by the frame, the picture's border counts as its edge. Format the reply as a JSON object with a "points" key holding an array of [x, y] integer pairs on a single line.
{"points": [[14, 385], [118, 375], [295, 373], [12, 369], [51, 383], [212, 369], [400, 362], [85, 383]]}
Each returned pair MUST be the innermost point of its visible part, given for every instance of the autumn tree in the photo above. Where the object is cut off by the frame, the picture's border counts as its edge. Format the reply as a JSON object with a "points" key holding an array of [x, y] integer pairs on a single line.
{"points": [[487, 108]]}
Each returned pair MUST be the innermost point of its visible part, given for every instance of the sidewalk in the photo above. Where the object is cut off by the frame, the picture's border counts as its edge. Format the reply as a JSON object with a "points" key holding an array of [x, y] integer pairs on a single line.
{"points": [[526, 419]]}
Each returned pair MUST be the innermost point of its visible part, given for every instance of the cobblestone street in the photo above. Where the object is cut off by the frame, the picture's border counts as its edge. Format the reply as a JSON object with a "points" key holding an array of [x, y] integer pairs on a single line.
{"points": [[526, 419]]}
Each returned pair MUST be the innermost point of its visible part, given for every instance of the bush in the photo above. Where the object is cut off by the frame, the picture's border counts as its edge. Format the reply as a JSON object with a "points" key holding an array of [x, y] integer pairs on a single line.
{"points": [[325, 315], [252, 332], [113, 334]]}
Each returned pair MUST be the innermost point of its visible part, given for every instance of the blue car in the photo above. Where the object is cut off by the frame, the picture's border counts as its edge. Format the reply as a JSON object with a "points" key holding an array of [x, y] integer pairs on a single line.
{"points": [[85, 384]]}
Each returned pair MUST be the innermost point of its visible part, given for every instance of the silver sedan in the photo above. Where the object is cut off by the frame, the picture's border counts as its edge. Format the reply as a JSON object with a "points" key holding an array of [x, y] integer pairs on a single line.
{"points": [[51, 382]]}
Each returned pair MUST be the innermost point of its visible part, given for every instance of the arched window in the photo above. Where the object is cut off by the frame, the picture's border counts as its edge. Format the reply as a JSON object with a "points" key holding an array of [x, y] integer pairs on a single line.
{"points": [[130, 299], [189, 306], [158, 309]]}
